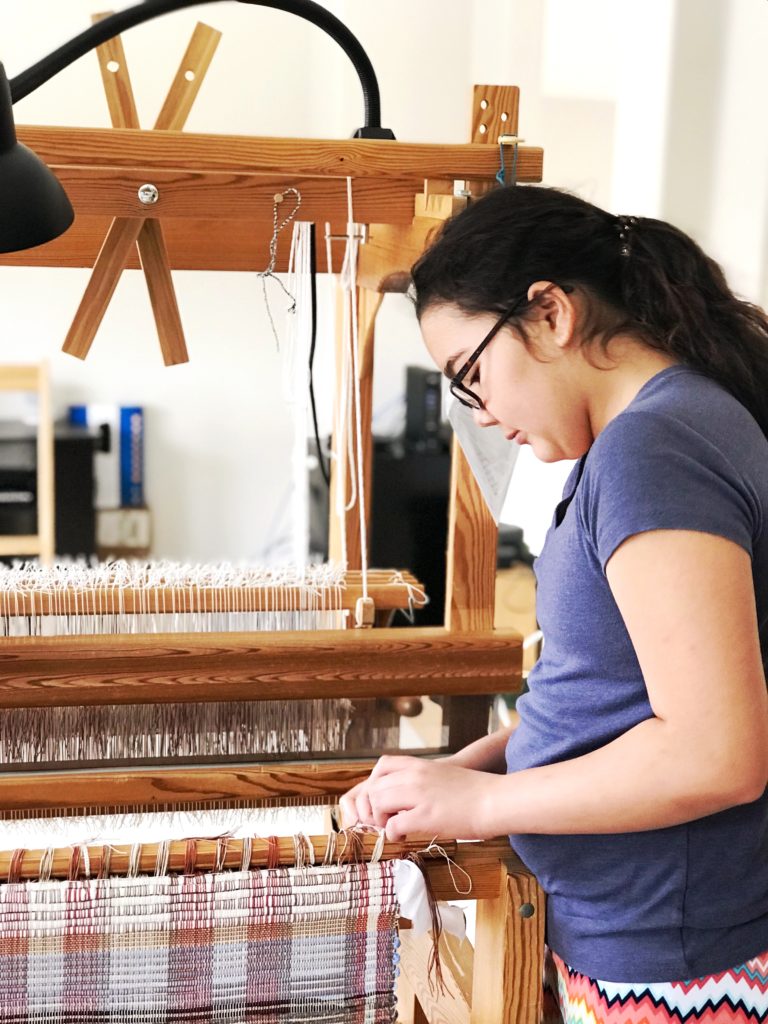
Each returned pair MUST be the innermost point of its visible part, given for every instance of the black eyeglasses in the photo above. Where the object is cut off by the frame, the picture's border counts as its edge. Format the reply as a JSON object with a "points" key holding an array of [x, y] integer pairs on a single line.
{"points": [[458, 389]]}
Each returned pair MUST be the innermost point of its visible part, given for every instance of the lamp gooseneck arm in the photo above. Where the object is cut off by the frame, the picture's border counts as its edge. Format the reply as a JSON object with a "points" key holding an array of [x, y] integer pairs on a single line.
{"points": [[25, 83]]}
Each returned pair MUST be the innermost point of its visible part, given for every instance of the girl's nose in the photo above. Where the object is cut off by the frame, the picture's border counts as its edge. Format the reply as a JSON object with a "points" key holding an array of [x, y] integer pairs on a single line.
{"points": [[483, 418]]}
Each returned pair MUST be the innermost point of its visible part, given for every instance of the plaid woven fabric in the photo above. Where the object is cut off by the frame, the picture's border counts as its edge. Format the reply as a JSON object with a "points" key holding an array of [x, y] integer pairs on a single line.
{"points": [[281, 945]]}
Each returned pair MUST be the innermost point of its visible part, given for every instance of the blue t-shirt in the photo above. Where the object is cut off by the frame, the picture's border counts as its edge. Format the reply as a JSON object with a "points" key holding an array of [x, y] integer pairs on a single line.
{"points": [[672, 903]]}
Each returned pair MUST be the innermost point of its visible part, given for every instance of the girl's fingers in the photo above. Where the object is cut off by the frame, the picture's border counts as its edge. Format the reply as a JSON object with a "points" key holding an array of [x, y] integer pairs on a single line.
{"points": [[365, 813], [398, 826]]}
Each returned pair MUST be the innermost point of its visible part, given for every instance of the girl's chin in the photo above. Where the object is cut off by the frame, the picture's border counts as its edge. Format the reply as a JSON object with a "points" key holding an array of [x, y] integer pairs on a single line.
{"points": [[545, 451]]}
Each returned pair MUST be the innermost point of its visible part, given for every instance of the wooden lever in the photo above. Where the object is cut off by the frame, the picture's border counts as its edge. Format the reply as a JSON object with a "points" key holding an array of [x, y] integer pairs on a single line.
{"points": [[125, 231]]}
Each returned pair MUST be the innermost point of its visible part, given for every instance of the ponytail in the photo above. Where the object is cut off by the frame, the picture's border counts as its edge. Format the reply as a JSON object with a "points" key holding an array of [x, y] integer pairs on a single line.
{"points": [[680, 300], [638, 276]]}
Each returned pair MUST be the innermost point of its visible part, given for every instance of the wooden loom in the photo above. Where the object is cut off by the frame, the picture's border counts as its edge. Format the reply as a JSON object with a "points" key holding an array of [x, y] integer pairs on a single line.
{"points": [[215, 197]]}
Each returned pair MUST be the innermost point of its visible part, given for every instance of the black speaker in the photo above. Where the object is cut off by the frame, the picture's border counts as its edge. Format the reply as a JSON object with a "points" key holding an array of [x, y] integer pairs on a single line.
{"points": [[409, 517], [423, 400], [74, 514]]}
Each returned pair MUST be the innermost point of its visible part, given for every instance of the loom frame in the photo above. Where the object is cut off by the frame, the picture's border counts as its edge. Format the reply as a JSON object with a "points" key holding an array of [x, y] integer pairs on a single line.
{"points": [[217, 189]]}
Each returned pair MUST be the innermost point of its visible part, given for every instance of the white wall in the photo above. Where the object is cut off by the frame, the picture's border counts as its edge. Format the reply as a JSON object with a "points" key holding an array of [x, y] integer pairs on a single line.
{"points": [[647, 108]]}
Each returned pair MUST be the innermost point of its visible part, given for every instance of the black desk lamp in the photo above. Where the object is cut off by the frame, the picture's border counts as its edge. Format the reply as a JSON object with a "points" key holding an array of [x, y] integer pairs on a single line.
{"points": [[34, 208]]}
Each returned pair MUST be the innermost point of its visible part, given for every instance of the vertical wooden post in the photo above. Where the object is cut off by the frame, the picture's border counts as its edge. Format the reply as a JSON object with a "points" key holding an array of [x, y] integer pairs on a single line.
{"points": [[417, 993], [470, 588], [46, 515], [472, 534], [507, 983], [471, 567]]}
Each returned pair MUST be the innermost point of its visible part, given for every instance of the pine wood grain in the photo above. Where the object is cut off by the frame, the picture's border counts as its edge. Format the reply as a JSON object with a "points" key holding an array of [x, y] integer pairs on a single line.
{"points": [[453, 1005], [116, 80], [358, 158], [499, 100], [70, 671], [151, 244], [113, 255], [281, 848], [472, 544], [390, 252], [479, 859], [113, 191], [162, 788], [189, 78], [206, 244], [153, 255], [509, 952]]}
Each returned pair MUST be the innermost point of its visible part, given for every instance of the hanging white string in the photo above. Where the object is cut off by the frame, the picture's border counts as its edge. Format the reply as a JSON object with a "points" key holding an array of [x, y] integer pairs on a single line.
{"points": [[296, 383], [349, 278], [71, 598], [340, 412]]}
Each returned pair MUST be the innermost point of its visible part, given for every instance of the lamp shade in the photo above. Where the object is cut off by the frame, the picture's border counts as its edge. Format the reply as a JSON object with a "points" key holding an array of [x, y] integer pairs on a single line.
{"points": [[34, 208]]}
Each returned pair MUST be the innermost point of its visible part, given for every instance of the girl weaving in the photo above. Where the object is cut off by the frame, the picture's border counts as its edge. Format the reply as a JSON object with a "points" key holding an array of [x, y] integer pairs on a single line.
{"points": [[634, 786]]}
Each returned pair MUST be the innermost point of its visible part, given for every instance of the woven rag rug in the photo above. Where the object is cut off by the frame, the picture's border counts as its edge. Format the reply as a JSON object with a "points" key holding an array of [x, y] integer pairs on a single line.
{"points": [[276, 945]]}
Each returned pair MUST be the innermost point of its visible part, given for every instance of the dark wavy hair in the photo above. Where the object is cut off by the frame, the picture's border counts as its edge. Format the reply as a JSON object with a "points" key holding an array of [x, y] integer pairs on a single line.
{"points": [[663, 289]]}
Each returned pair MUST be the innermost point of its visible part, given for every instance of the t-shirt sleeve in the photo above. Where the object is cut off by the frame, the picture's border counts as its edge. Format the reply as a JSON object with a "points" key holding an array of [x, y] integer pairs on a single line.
{"points": [[648, 471]]}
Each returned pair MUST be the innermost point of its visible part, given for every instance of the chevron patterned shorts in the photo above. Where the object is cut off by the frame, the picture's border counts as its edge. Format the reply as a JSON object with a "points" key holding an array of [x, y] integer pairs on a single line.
{"points": [[731, 997]]}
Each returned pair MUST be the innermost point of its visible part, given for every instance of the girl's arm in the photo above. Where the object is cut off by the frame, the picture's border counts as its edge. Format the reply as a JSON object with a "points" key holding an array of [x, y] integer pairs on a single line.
{"points": [[687, 600], [488, 754]]}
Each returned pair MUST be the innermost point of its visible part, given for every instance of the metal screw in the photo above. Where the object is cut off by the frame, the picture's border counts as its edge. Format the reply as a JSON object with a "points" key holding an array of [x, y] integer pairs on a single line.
{"points": [[527, 910], [148, 195]]}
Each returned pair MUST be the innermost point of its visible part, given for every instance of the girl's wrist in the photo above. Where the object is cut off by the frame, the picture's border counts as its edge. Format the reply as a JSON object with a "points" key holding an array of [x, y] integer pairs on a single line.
{"points": [[489, 809]]}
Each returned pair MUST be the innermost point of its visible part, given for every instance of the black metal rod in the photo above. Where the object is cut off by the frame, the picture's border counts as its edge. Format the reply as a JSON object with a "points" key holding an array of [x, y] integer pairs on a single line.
{"points": [[26, 82]]}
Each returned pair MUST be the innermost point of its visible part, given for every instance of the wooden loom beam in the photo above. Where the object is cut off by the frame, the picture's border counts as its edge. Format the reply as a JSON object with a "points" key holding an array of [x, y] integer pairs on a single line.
{"points": [[216, 190], [390, 589], [479, 859], [161, 788], [72, 671], [247, 154]]}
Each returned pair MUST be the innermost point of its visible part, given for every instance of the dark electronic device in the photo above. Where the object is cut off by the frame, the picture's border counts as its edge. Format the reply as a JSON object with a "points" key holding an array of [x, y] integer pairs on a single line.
{"points": [[75, 517], [423, 402]]}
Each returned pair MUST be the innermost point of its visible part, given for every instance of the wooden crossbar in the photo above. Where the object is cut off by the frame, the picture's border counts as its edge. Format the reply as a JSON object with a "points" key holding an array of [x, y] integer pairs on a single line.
{"points": [[174, 668], [163, 788], [479, 859], [389, 591], [247, 154], [216, 192]]}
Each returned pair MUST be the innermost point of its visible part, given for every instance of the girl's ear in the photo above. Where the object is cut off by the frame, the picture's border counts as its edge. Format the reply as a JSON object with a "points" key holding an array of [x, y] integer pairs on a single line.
{"points": [[554, 311]]}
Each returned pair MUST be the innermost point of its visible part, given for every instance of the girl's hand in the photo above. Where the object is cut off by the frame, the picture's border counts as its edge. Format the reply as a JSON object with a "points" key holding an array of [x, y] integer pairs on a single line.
{"points": [[355, 805], [413, 795]]}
